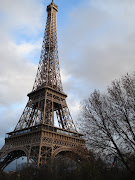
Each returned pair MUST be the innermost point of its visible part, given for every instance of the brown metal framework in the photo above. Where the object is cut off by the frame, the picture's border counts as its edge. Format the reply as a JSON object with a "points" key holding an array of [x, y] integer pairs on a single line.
{"points": [[35, 135]]}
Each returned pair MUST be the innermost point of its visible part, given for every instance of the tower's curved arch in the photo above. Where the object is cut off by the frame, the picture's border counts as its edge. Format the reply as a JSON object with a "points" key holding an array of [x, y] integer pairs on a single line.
{"points": [[10, 155], [67, 150], [14, 149]]}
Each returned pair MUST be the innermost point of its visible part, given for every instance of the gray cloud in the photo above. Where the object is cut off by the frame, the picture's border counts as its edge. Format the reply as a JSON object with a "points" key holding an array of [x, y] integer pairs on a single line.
{"points": [[96, 47], [9, 117], [99, 45]]}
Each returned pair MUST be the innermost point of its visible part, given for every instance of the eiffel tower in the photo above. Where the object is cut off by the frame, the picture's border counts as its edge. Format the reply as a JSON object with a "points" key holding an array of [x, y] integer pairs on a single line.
{"points": [[35, 135]]}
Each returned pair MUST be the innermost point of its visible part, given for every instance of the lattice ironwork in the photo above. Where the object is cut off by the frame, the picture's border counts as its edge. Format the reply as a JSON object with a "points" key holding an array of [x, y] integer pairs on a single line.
{"points": [[47, 94], [48, 73], [35, 135], [11, 157]]}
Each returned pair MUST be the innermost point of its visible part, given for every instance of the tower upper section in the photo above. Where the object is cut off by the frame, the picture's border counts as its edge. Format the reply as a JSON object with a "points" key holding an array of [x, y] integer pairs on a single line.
{"points": [[51, 7], [47, 100], [48, 73]]}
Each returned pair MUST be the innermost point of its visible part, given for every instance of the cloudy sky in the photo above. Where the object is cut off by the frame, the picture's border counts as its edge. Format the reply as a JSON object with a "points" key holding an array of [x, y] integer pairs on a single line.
{"points": [[96, 45]]}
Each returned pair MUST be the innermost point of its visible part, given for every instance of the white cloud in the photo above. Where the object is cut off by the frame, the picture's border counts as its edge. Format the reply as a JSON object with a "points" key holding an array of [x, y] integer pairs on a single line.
{"points": [[16, 74], [26, 48], [23, 15]]}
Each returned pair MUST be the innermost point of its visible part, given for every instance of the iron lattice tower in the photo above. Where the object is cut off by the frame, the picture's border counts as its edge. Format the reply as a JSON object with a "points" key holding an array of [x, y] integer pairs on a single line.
{"points": [[35, 135]]}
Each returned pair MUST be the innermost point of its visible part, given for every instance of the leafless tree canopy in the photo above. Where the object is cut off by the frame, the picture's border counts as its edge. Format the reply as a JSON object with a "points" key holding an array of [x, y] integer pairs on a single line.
{"points": [[109, 121]]}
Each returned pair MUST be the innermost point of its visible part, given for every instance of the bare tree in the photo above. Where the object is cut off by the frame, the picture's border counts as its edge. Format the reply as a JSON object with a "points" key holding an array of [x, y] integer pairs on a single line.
{"points": [[109, 121]]}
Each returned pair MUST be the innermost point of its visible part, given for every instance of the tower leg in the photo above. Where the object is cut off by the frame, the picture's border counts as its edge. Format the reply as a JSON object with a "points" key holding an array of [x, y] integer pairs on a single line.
{"points": [[27, 161], [39, 158]]}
